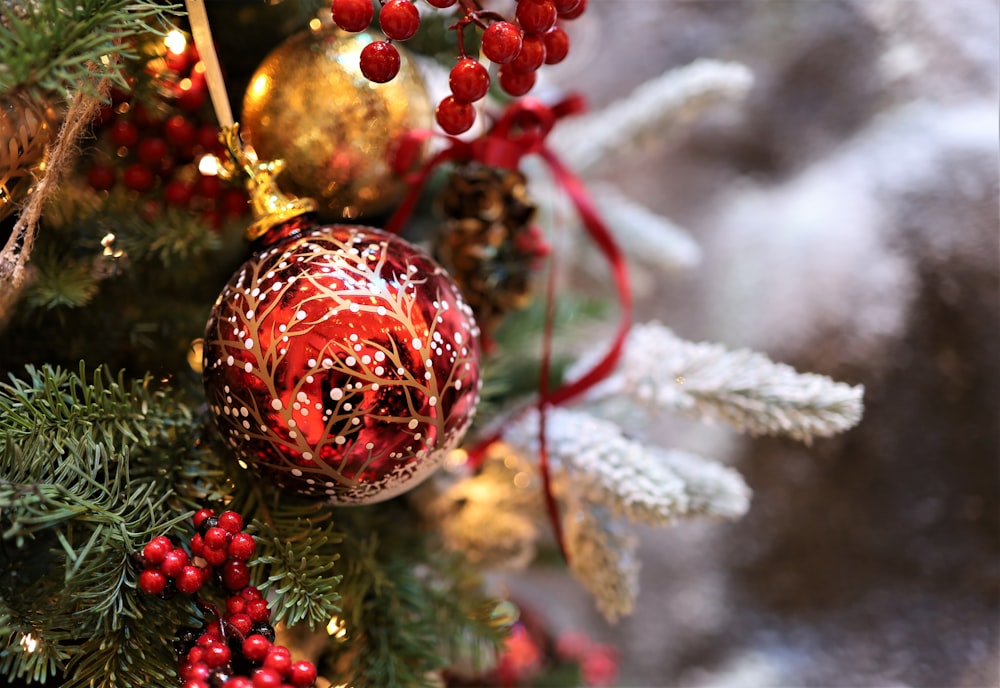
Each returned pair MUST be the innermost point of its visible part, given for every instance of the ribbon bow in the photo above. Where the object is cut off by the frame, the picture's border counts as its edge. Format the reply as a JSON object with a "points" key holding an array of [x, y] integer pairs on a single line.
{"points": [[521, 130]]}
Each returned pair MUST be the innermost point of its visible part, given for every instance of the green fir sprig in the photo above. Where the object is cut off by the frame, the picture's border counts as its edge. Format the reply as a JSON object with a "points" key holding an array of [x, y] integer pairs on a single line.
{"points": [[54, 47], [86, 478]]}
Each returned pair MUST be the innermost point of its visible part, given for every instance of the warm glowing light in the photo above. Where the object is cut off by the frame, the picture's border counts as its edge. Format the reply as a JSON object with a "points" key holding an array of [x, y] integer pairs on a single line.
{"points": [[28, 643], [175, 42], [209, 165], [108, 242], [522, 479], [315, 24], [336, 628], [457, 458]]}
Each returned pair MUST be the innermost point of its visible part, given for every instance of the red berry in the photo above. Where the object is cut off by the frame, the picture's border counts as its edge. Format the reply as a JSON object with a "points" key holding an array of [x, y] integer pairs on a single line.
{"points": [[242, 547], [153, 151], [152, 581], [399, 19], [195, 684], [217, 655], [235, 605], [191, 671], [454, 117], [216, 538], [197, 544], [180, 131], [469, 80], [515, 83], [536, 16], [138, 177], [251, 593], [556, 45], [241, 622], [235, 202], [574, 11], [174, 562], [195, 654], [231, 521], [214, 556], [235, 575], [501, 42], [208, 186], [279, 659], [258, 611], [267, 677], [200, 515], [208, 138], [190, 94], [564, 6], [440, 4], [303, 674], [180, 193], [238, 682], [532, 55], [101, 177], [212, 634], [352, 15], [379, 61], [255, 647], [190, 579], [156, 549], [104, 115], [124, 133]]}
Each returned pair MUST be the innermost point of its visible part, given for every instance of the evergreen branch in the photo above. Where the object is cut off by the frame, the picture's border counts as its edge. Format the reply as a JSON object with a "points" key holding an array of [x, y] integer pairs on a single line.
{"points": [[50, 46], [407, 604], [86, 479], [299, 553], [57, 284], [660, 372]]}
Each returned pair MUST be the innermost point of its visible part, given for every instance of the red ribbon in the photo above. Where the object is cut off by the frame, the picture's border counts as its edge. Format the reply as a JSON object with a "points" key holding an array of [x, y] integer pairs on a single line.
{"points": [[521, 131]]}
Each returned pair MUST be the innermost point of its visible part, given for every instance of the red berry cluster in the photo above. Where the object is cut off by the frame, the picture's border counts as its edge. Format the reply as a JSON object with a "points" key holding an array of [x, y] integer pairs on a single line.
{"points": [[234, 649], [220, 546], [151, 138], [520, 46], [225, 655]]}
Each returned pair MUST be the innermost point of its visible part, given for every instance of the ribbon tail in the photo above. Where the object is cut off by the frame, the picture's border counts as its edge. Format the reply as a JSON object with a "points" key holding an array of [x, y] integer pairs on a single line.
{"points": [[602, 236]]}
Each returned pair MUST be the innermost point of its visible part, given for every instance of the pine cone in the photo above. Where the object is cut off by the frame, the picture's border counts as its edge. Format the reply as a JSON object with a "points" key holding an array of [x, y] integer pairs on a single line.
{"points": [[487, 241], [28, 124]]}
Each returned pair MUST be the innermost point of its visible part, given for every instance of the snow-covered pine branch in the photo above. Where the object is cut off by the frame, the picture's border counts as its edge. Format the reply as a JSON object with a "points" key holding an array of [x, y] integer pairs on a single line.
{"points": [[602, 556], [653, 110], [661, 372], [644, 235], [592, 461]]}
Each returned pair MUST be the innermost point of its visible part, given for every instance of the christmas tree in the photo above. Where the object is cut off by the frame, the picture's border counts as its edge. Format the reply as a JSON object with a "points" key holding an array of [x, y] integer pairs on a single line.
{"points": [[306, 382]]}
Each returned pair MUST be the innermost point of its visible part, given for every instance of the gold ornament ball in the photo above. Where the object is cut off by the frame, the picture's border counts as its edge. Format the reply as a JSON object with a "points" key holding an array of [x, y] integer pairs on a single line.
{"points": [[309, 105]]}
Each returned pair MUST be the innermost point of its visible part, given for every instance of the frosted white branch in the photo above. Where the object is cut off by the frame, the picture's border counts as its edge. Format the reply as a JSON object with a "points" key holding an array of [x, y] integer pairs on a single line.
{"points": [[653, 111], [602, 555], [712, 489], [662, 372], [644, 235], [593, 462]]}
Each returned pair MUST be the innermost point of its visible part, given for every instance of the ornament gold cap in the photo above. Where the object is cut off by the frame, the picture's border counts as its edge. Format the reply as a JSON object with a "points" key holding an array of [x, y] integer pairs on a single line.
{"points": [[270, 205]]}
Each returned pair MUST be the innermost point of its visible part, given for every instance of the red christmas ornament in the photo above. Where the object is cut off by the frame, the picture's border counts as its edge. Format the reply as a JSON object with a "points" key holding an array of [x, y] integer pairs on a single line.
{"points": [[341, 361]]}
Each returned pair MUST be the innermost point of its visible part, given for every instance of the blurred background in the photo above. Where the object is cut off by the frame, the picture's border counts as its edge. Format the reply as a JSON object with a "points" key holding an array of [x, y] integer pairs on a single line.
{"points": [[847, 214]]}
